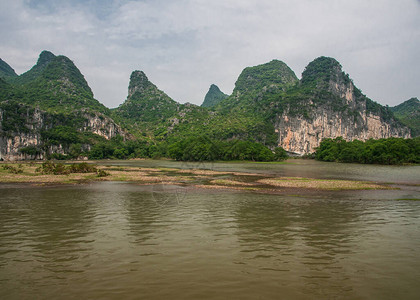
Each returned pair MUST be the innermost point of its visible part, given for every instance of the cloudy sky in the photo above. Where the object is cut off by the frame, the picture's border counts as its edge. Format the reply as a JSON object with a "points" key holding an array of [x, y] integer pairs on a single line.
{"points": [[185, 45]]}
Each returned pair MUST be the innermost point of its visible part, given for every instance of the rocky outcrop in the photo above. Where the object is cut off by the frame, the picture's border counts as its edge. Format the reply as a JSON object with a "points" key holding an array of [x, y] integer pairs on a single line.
{"points": [[102, 125], [342, 111], [25, 140], [302, 135]]}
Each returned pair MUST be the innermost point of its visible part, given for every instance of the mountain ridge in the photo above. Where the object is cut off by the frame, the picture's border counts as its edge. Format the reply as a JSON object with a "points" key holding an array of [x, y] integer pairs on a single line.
{"points": [[268, 105]]}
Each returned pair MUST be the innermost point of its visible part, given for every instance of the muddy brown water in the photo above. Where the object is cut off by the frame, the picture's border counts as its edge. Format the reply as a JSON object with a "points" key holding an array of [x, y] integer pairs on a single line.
{"points": [[111, 240]]}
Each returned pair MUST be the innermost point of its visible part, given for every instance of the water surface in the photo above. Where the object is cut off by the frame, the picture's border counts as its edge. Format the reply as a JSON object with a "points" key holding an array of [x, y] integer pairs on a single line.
{"points": [[126, 241]]}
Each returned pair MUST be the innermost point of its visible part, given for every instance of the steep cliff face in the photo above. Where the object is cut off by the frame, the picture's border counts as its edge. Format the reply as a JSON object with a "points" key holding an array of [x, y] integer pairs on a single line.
{"points": [[332, 106], [25, 132], [102, 125], [302, 135]]}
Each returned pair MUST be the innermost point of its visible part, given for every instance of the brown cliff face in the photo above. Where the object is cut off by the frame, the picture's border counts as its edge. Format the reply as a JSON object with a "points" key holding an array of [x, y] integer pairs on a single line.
{"points": [[301, 135], [342, 111]]}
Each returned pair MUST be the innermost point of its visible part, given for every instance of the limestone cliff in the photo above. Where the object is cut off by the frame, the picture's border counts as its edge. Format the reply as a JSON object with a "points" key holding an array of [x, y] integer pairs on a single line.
{"points": [[27, 132], [301, 135], [330, 106]]}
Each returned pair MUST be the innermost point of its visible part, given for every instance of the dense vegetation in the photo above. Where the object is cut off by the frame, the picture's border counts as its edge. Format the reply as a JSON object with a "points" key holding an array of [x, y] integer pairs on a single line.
{"points": [[389, 151], [236, 127], [200, 148], [213, 97], [409, 114], [6, 71], [54, 84]]}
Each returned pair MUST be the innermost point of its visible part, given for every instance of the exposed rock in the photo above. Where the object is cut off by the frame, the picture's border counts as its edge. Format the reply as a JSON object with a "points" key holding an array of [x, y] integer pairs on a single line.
{"points": [[37, 121], [344, 112]]}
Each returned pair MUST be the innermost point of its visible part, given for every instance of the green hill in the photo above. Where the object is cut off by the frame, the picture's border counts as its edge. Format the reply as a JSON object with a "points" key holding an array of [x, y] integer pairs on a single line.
{"points": [[51, 109], [145, 102], [6, 71], [55, 84], [408, 113], [53, 105]]}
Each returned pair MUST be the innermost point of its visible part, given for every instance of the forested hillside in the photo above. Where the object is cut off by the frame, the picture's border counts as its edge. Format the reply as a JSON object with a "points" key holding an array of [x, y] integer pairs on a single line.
{"points": [[50, 112]]}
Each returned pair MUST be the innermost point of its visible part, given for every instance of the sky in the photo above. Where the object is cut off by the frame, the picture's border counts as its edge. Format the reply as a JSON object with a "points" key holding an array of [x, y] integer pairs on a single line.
{"points": [[184, 46]]}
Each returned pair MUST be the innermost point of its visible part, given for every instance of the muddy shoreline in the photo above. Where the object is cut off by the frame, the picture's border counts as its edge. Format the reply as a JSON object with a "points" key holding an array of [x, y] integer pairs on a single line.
{"points": [[197, 179]]}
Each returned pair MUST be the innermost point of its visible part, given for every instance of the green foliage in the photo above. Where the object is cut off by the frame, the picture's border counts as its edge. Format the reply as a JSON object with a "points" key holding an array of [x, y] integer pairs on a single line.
{"points": [[82, 168], [383, 111], [213, 97], [12, 169], [30, 150], [49, 167], [14, 117], [44, 59], [273, 73], [389, 151], [146, 103], [55, 84], [202, 148], [322, 69], [240, 127], [6, 72], [101, 173], [408, 113]]}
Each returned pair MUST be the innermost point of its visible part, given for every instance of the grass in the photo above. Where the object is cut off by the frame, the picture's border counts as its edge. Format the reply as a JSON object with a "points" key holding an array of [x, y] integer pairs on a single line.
{"points": [[322, 184]]}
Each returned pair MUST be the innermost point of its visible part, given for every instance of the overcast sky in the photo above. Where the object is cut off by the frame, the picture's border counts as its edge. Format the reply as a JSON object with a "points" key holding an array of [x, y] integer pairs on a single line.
{"points": [[183, 46]]}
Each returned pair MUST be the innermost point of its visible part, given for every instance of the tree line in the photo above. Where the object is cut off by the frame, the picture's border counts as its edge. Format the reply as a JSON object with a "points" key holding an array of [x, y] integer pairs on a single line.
{"points": [[390, 151], [200, 148]]}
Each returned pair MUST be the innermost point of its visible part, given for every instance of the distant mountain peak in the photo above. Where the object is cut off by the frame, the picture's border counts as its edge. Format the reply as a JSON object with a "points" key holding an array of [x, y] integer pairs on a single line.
{"points": [[323, 69], [272, 73], [408, 113], [213, 97], [145, 102], [6, 70], [138, 83], [45, 58]]}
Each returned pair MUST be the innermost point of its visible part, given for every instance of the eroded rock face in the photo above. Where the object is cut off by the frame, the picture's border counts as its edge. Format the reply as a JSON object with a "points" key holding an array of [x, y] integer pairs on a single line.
{"points": [[333, 108], [301, 135], [12, 142], [102, 125]]}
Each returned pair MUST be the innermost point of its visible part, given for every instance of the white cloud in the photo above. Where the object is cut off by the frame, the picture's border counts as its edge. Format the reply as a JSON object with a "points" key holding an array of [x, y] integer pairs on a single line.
{"points": [[185, 45]]}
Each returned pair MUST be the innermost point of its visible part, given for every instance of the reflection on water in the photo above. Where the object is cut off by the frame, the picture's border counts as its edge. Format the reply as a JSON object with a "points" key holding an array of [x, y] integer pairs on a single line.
{"points": [[115, 240]]}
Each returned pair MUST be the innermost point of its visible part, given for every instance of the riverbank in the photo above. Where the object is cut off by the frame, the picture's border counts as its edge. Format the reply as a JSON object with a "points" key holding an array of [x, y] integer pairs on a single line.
{"points": [[31, 173]]}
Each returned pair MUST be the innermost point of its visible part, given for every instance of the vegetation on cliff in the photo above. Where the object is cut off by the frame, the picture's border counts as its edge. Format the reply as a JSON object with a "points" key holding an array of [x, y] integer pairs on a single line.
{"points": [[241, 126], [408, 113]]}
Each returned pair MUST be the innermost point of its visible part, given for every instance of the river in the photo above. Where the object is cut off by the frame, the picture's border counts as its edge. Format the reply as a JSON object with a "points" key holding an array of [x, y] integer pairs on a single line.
{"points": [[116, 240]]}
